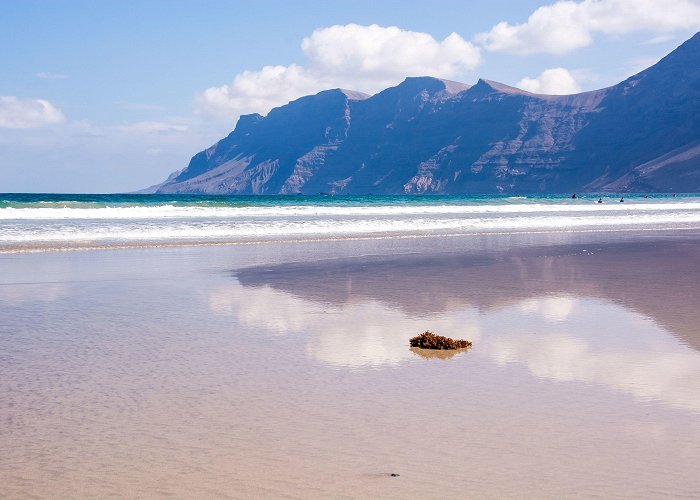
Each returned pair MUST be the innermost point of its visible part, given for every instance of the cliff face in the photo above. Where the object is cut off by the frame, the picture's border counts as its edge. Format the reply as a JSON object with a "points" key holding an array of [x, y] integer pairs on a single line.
{"points": [[435, 136]]}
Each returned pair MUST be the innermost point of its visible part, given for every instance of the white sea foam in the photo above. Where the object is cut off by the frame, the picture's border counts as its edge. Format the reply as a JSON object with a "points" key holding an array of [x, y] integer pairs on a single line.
{"points": [[26, 233], [28, 227], [233, 212]]}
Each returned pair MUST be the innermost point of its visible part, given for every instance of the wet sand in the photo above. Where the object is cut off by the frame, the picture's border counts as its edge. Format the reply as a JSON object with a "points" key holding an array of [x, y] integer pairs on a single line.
{"points": [[283, 370]]}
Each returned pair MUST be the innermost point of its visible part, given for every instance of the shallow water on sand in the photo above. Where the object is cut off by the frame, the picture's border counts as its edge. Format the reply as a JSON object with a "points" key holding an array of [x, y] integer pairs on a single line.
{"points": [[272, 370]]}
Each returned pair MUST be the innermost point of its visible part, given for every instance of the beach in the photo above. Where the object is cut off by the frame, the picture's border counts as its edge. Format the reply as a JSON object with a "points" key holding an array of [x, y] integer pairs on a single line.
{"points": [[282, 369], [350, 250]]}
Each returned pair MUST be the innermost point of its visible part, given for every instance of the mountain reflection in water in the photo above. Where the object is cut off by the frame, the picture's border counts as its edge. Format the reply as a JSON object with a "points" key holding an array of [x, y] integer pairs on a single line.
{"points": [[622, 314]]}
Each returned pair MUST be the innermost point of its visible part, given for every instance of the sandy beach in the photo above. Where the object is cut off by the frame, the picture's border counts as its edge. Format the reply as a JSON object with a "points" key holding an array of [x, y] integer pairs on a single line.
{"points": [[350, 250], [283, 370]]}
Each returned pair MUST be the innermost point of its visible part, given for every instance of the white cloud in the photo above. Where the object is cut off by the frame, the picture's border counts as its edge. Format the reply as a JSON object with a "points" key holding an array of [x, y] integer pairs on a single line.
{"points": [[153, 127], [566, 25], [553, 81], [373, 56], [365, 58], [28, 113], [658, 39], [258, 91]]}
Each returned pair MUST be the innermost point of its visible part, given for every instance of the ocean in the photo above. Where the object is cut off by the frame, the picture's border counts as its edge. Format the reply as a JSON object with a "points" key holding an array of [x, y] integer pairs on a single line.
{"points": [[35, 222]]}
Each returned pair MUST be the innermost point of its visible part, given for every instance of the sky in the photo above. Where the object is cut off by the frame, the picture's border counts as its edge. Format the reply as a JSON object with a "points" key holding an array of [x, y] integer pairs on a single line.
{"points": [[114, 95]]}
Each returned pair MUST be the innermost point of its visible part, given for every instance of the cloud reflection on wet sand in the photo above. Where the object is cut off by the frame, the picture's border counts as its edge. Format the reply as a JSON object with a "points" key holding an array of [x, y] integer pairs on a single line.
{"points": [[356, 334], [559, 322]]}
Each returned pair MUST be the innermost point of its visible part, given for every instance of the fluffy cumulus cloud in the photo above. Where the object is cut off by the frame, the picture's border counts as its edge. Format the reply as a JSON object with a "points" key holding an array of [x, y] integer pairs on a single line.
{"points": [[258, 91], [365, 58], [28, 113], [374, 56], [556, 81], [566, 25]]}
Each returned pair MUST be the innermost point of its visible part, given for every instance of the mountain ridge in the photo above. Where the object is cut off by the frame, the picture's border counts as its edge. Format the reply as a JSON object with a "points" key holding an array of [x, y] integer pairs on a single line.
{"points": [[429, 135]]}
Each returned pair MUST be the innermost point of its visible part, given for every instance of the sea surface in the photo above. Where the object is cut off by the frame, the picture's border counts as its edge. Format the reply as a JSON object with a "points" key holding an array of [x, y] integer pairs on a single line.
{"points": [[30, 222]]}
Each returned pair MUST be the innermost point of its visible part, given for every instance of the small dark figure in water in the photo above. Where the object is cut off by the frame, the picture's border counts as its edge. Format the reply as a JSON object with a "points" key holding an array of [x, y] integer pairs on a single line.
{"points": [[674, 195], [622, 200], [574, 196], [600, 200]]}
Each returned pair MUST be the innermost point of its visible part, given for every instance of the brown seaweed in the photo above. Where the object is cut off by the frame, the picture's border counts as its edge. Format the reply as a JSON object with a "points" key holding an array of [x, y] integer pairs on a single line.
{"points": [[428, 340]]}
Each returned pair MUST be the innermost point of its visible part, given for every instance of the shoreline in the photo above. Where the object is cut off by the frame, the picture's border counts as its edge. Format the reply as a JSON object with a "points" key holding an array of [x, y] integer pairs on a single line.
{"points": [[374, 237]]}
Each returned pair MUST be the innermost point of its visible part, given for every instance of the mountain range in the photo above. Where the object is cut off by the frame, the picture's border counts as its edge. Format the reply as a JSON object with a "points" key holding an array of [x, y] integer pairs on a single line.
{"points": [[429, 135]]}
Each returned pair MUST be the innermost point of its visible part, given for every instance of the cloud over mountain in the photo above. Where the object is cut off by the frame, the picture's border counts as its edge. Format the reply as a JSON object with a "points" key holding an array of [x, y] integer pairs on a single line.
{"points": [[563, 26], [553, 81], [366, 58], [430, 135]]}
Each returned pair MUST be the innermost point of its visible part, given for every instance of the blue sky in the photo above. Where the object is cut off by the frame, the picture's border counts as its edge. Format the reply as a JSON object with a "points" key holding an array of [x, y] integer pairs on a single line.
{"points": [[113, 96]]}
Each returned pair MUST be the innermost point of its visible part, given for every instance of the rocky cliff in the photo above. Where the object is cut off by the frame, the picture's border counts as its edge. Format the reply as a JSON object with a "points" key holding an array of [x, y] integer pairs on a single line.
{"points": [[428, 135]]}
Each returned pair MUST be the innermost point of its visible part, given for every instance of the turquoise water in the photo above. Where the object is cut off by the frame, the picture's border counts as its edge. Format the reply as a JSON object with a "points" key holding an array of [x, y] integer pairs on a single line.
{"points": [[18, 200]]}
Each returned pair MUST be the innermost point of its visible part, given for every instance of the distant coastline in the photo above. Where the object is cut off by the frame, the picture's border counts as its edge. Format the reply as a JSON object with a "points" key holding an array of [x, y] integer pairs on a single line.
{"points": [[430, 135]]}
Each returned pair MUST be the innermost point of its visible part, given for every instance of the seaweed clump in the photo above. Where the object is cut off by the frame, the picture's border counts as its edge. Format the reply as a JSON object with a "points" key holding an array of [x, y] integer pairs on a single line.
{"points": [[428, 340]]}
